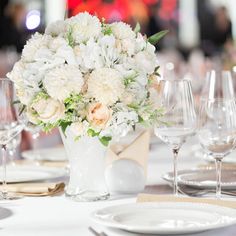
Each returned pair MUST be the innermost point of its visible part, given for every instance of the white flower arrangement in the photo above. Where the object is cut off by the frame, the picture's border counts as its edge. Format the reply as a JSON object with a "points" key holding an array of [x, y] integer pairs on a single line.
{"points": [[92, 76]]}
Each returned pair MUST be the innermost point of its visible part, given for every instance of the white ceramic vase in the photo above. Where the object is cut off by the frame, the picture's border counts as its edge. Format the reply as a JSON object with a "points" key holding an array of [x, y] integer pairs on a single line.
{"points": [[87, 166]]}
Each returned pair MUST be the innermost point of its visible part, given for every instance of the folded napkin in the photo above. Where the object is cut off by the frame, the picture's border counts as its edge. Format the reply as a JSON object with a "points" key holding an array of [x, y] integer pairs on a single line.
{"points": [[137, 150], [36, 189], [170, 198]]}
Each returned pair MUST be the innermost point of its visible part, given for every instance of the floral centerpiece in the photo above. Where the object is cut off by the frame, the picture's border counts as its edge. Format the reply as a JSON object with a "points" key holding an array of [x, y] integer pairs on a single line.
{"points": [[94, 77]]}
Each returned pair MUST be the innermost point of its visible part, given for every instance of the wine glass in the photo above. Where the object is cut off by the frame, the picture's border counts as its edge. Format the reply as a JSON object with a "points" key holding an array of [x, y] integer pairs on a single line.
{"points": [[217, 131], [35, 134], [179, 118], [10, 125], [218, 84]]}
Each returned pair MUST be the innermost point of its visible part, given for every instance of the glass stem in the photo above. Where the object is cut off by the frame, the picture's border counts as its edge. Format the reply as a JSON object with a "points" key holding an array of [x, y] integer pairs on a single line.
{"points": [[175, 155], [218, 162], [4, 177]]}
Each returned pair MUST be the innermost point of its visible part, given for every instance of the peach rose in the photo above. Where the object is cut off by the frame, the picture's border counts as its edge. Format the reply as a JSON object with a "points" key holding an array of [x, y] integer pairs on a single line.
{"points": [[98, 115]]}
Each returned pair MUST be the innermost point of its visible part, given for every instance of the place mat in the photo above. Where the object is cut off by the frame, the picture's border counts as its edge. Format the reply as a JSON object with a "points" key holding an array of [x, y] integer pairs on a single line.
{"points": [[170, 198], [36, 189]]}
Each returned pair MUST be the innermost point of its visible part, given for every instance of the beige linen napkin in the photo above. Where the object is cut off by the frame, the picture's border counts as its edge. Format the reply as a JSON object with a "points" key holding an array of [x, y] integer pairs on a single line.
{"points": [[36, 189], [137, 151], [170, 198]]}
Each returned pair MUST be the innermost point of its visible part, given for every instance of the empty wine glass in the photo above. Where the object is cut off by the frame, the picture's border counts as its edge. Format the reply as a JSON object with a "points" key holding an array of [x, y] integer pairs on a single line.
{"points": [[217, 131], [218, 84], [10, 125], [179, 118], [217, 98]]}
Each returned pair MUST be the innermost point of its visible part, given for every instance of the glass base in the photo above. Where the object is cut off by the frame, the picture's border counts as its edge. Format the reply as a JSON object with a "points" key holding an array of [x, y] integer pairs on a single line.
{"points": [[88, 196], [4, 196]]}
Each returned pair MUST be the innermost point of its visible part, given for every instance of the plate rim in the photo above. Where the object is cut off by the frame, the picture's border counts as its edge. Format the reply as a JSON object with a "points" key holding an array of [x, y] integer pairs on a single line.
{"points": [[158, 231], [195, 183], [61, 173]]}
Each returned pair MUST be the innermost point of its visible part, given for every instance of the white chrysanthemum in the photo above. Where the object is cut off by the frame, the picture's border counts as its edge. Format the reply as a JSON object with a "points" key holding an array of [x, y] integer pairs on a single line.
{"points": [[37, 42], [105, 85], [122, 30], [83, 27], [63, 81], [56, 28]]}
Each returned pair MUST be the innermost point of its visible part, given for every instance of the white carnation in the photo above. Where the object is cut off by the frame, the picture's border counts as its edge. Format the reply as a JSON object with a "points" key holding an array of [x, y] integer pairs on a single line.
{"points": [[105, 85], [17, 72], [63, 81], [37, 42], [122, 30], [25, 95], [89, 56], [56, 28], [83, 27], [145, 62]]}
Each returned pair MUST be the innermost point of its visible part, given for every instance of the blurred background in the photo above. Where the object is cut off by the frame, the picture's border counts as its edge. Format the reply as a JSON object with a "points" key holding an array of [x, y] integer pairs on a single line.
{"points": [[202, 33]]}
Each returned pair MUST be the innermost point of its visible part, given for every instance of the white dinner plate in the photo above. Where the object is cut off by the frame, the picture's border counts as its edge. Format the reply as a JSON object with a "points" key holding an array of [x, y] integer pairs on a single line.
{"points": [[205, 179], [231, 158], [166, 218], [46, 154], [28, 173]]}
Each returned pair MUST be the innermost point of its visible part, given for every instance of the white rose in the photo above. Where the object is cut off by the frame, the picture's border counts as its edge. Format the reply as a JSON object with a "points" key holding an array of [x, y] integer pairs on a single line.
{"points": [[48, 110], [145, 62], [83, 27], [122, 30], [63, 81], [56, 28], [79, 128], [105, 85]]}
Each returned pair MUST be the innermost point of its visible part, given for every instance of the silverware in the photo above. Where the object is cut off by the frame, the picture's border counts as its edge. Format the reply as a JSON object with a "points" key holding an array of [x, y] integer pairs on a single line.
{"points": [[92, 230], [201, 192]]}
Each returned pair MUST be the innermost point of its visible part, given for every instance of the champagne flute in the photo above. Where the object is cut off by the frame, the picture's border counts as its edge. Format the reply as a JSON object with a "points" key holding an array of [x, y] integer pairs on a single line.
{"points": [[217, 131], [179, 118], [10, 125]]}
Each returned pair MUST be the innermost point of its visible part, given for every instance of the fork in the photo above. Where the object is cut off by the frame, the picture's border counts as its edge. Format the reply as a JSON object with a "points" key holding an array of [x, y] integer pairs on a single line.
{"points": [[94, 232], [201, 192]]}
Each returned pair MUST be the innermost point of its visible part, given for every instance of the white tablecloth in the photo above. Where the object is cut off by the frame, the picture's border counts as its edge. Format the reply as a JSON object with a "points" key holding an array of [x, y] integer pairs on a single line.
{"points": [[59, 216]]}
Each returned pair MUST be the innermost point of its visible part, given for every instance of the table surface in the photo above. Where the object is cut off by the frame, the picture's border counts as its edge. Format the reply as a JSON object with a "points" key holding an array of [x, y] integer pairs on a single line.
{"points": [[60, 216]]}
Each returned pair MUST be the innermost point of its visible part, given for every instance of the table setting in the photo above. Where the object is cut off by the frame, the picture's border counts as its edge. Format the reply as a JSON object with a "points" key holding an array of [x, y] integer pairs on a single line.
{"points": [[139, 157]]}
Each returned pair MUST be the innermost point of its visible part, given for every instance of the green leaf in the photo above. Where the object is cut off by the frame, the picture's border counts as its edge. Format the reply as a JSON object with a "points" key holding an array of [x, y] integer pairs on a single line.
{"points": [[15, 102], [64, 125], [92, 133], [156, 37], [137, 28], [105, 140], [23, 107]]}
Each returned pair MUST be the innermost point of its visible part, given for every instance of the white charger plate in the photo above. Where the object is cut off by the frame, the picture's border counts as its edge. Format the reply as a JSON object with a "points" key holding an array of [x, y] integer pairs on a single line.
{"points": [[204, 179], [29, 173], [165, 218], [46, 154]]}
